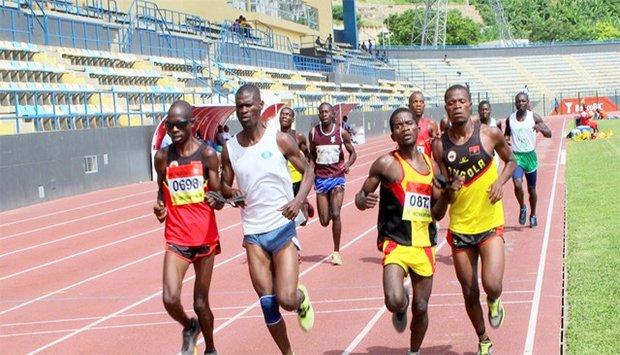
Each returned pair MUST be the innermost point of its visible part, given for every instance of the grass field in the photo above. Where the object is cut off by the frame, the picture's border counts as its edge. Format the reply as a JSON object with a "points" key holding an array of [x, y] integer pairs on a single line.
{"points": [[593, 244]]}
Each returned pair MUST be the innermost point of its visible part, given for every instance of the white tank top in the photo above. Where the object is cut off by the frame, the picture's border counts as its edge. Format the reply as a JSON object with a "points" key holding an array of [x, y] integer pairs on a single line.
{"points": [[263, 177], [522, 133]]}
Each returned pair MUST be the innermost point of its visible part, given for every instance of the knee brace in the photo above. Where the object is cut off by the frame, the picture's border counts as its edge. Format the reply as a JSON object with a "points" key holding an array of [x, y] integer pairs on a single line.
{"points": [[271, 309]]}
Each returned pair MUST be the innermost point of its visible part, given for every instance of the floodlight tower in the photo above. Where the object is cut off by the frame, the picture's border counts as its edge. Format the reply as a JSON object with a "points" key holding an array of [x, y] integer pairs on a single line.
{"points": [[503, 27], [432, 23]]}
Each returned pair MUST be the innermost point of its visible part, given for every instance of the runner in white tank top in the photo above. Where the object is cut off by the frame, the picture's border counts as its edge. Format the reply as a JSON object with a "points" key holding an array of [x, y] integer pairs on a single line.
{"points": [[522, 128], [258, 157]]}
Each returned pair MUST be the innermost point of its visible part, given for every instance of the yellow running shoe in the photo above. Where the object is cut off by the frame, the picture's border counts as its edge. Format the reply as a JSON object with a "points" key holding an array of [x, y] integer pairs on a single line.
{"points": [[496, 312], [485, 347], [305, 313], [336, 258]]}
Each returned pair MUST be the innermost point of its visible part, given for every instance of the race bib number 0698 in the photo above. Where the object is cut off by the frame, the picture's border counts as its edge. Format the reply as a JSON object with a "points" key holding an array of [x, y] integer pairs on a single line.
{"points": [[186, 184]]}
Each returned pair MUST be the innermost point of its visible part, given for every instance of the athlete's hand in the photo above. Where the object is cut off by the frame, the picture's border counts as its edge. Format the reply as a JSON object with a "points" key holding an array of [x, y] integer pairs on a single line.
{"points": [[345, 168], [160, 211], [457, 182], [213, 202], [496, 192], [364, 201], [237, 193], [291, 209]]}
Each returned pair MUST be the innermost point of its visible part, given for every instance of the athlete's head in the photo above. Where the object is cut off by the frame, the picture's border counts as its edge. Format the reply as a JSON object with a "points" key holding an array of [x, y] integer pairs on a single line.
{"points": [[403, 126], [326, 113], [179, 121], [287, 117], [248, 105], [521, 101], [457, 104], [484, 111], [416, 103]]}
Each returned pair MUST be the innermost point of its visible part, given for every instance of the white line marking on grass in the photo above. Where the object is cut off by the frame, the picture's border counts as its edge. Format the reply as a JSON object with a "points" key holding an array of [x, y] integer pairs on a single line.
{"points": [[563, 157], [376, 317], [531, 329]]}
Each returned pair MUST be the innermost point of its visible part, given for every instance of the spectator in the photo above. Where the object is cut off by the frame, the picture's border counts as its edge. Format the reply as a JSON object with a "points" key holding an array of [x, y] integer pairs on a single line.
{"points": [[347, 127], [445, 59], [226, 134], [318, 42], [369, 47], [363, 47], [328, 41]]}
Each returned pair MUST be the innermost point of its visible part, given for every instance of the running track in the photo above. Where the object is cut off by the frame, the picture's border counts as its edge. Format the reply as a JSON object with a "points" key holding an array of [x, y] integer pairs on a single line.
{"points": [[82, 275]]}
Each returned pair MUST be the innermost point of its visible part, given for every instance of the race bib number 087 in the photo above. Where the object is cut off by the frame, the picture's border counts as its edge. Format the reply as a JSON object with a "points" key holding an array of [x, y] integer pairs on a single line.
{"points": [[186, 184], [417, 206]]}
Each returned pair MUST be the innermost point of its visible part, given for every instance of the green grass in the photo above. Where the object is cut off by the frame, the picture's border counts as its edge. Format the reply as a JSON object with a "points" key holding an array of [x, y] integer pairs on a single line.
{"points": [[593, 244]]}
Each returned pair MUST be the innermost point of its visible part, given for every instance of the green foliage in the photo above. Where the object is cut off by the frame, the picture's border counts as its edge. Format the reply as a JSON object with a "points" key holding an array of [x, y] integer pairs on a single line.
{"points": [[459, 30], [535, 20], [337, 13], [563, 20]]}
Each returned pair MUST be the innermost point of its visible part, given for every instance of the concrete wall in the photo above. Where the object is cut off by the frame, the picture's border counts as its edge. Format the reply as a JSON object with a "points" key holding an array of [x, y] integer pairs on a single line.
{"points": [[40, 167]]}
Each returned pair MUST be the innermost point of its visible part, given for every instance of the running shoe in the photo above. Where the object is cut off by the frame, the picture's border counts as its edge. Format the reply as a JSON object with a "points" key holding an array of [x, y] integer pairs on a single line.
{"points": [[533, 221], [523, 215], [485, 347], [210, 352], [399, 319], [190, 335], [336, 258], [496, 312], [305, 313]]}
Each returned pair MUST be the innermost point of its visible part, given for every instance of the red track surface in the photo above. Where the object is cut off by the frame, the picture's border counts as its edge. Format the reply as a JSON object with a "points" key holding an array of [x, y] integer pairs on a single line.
{"points": [[82, 275]]}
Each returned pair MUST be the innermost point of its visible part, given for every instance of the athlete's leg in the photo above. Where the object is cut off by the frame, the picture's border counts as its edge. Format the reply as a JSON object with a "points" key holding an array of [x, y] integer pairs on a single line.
{"points": [[466, 267], [286, 270], [531, 189], [517, 179], [422, 287], [203, 268], [260, 266], [322, 205], [174, 271], [336, 196], [492, 268], [393, 277]]}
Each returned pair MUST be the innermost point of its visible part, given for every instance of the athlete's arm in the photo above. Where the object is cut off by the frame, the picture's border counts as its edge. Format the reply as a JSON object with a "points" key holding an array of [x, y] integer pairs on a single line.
{"points": [[505, 153], [348, 144], [228, 176], [213, 167], [288, 147], [540, 126], [160, 168], [439, 200], [507, 132], [455, 182], [311, 147], [301, 143], [366, 197]]}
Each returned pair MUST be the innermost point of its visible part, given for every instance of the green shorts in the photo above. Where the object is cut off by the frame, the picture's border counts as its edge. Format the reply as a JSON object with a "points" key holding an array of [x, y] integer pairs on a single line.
{"points": [[527, 161]]}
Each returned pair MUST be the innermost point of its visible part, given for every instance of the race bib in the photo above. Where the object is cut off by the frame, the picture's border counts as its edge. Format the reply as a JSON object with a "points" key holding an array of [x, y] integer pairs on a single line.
{"points": [[186, 183], [417, 204], [327, 154]]}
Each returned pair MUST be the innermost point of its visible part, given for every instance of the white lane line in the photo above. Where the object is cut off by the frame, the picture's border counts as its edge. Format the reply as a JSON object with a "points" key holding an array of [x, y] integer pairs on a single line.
{"points": [[23, 220], [380, 312], [531, 329]]}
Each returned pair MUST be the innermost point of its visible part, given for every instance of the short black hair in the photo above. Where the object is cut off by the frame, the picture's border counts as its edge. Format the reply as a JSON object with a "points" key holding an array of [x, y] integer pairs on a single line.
{"points": [[289, 109], [249, 88], [395, 113], [454, 88]]}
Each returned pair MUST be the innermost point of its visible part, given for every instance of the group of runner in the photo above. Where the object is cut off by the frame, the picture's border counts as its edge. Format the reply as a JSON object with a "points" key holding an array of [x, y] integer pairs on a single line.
{"points": [[435, 169]]}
